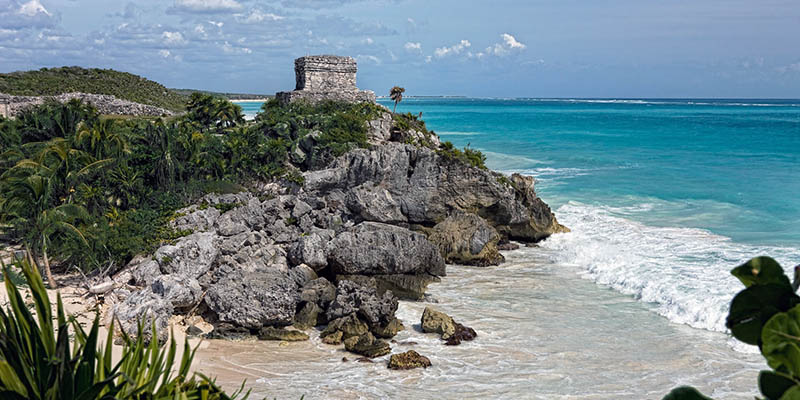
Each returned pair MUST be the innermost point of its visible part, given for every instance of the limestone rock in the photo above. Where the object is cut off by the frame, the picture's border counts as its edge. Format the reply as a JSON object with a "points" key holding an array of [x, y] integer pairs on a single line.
{"points": [[367, 345], [372, 248], [144, 307], [272, 333], [462, 333], [191, 256], [143, 270], [311, 250], [307, 317], [465, 238], [352, 298], [404, 286], [347, 326], [333, 338], [429, 186], [254, 299], [319, 291], [389, 330], [435, 321], [181, 292], [195, 219], [302, 274], [408, 360]]}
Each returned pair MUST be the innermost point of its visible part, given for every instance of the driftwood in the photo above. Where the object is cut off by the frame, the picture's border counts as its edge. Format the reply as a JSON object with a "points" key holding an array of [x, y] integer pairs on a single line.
{"points": [[102, 288]]}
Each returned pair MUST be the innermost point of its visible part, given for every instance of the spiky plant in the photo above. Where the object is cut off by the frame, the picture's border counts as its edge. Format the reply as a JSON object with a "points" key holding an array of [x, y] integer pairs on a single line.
{"points": [[42, 358]]}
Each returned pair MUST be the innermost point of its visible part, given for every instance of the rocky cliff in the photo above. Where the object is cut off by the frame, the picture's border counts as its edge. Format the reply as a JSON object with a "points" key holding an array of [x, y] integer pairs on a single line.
{"points": [[375, 225]]}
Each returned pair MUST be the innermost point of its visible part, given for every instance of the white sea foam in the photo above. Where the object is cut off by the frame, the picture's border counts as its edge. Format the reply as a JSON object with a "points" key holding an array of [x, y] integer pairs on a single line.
{"points": [[683, 272]]}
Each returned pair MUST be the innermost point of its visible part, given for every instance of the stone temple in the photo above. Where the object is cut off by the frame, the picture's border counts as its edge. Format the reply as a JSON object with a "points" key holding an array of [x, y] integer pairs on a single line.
{"points": [[326, 78]]}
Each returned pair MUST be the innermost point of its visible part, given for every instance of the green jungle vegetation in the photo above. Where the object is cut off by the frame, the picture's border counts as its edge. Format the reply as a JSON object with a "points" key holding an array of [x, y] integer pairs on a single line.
{"points": [[78, 189], [47, 358], [123, 85], [765, 314]]}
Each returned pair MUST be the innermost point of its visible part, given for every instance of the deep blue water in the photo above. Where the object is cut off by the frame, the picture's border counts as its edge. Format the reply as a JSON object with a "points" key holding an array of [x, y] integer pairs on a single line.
{"points": [[664, 197]]}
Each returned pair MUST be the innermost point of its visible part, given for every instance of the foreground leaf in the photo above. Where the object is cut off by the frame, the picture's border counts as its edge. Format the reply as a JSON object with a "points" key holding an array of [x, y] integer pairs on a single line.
{"points": [[754, 306], [774, 385], [685, 393], [761, 271], [781, 341]]}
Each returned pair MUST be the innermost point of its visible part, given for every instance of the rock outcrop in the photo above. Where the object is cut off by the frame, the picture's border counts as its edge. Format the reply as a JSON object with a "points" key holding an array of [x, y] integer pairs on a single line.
{"points": [[373, 226]]}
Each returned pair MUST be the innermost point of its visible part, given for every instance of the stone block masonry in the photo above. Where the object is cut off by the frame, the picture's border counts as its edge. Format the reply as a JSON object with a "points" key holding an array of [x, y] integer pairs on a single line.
{"points": [[327, 77]]}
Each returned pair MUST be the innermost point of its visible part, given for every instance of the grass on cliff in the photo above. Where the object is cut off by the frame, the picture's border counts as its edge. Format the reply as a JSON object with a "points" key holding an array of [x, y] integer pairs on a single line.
{"points": [[55, 81]]}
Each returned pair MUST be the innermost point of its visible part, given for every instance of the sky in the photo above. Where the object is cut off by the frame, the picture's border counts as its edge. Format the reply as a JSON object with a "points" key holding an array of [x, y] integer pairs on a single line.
{"points": [[492, 48]]}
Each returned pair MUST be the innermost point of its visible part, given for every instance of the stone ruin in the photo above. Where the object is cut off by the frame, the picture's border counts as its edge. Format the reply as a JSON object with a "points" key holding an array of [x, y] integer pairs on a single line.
{"points": [[326, 78]]}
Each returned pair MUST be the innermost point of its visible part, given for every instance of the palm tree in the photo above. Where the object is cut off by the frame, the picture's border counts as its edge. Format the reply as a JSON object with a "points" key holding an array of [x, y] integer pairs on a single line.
{"points": [[103, 140], [28, 205], [396, 94]]}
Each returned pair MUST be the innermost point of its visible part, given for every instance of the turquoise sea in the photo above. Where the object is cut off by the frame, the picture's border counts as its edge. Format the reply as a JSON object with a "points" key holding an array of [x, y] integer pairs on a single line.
{"points": [[663, 197]]}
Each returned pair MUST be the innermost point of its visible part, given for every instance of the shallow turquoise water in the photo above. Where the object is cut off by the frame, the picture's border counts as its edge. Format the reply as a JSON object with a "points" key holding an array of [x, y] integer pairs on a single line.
{"points": [[731, 168]]}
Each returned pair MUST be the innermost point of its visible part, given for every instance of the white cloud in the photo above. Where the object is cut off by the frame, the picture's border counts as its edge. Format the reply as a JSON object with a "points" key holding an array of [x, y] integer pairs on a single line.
{"points": [[369, 58], [452, 50], [205, 6], [509, 44], [32, 8], [413, 47], [173, 38], [228, 48], [164, 53], [512, 42], [257, 16], [215, 23], [368, 41]]}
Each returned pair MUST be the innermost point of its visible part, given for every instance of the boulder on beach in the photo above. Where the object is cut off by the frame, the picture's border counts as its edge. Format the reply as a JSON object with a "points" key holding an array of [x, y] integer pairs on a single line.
{"points": [[283, 334], [408, 360], [435, 321], [367, 345]]}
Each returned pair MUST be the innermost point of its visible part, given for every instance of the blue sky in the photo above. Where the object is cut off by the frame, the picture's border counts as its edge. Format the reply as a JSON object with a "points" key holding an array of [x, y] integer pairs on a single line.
{"points": [[496, 48]]}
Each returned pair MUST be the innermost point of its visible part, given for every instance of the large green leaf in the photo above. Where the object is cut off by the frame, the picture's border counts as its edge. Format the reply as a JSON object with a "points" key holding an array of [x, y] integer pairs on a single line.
{"points": [[774, 385], [781, 341], [754, 306], [761, 271], [685, 393], [792, 394]]}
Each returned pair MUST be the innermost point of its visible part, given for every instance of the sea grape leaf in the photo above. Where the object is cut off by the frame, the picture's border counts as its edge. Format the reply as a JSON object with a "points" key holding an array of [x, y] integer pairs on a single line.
{"points": [[792, 394], [761, 271], [781, 341], [774, 385], [685, 393], [753, 307]]}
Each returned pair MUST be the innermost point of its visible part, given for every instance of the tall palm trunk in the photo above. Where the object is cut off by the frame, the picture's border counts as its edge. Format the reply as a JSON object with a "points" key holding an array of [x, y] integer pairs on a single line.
{"points": [[395, 107], [47, 272]]}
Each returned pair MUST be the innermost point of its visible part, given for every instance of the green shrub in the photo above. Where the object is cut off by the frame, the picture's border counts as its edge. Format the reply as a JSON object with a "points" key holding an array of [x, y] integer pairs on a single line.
{"points": [[468, 156], [765, 314], [43, 358]]}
